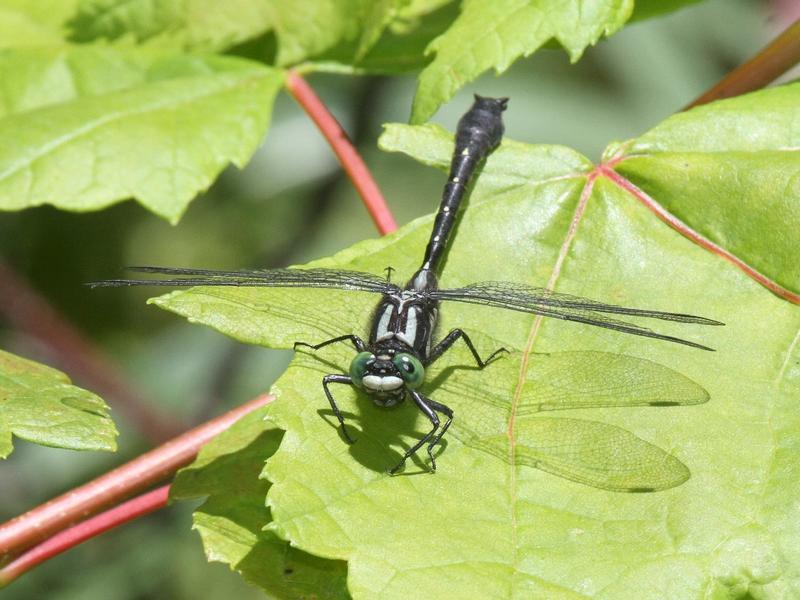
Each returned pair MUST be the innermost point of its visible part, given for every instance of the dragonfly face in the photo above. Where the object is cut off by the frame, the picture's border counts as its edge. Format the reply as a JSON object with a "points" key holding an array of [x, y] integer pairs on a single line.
{"points": [[386, 374]]}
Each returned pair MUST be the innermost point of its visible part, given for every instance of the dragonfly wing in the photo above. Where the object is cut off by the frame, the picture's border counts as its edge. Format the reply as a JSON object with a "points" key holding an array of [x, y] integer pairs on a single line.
{"points": [[540, 301], [525, 295], [565, 380], [281, 278], [596, 454]]}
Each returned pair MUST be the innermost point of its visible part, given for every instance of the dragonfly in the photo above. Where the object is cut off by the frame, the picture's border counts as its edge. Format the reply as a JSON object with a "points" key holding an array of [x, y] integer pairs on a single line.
{"points": [[390, 365]]}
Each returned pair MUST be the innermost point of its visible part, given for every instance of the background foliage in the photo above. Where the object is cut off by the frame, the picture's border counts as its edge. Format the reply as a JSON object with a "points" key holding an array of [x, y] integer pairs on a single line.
{"points": [[284, 214]]}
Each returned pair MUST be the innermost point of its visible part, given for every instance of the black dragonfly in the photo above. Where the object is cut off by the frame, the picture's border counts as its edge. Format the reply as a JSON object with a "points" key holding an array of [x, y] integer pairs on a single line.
{"points": [[390, 365]]}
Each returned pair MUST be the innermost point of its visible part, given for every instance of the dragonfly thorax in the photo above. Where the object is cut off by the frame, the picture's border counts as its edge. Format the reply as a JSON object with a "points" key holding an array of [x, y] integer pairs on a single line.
{"points": [[404, 320]]}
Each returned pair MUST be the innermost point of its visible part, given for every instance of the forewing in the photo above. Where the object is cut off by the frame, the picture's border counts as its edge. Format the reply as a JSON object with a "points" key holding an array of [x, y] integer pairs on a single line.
{"points": [[285, 278], [544, 302]]}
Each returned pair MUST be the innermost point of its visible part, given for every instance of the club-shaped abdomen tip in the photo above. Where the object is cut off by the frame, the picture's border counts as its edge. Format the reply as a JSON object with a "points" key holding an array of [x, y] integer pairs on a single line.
{"points": [[500, 103]]}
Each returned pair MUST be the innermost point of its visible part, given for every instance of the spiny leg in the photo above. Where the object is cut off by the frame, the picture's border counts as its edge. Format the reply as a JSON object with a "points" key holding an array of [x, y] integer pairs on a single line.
{"points": [[450, 339], [448, 412], [356, 341], [389, 271], [337, 379], [421, 402]]}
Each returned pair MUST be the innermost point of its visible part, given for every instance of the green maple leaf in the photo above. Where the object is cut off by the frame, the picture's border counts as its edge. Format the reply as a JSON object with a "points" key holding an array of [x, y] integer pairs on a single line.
{"points": [[38, 404], [494, 518], [303, 29], [492, 35], [495, 34], [25, 23], [87, 127]]}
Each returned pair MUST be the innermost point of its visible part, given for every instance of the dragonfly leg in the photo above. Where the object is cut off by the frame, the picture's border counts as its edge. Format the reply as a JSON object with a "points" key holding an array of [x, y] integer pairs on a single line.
{"points": [[356, 341], [389, 271], [450, 339], [337, 379], [448, 412], [422, 403]]}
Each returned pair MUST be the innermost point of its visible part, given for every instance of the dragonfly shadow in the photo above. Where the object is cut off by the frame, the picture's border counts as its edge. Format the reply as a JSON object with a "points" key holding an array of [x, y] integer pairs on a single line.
{"points": [[315, 361], [379, 445], [422, 462], [443, 375]]}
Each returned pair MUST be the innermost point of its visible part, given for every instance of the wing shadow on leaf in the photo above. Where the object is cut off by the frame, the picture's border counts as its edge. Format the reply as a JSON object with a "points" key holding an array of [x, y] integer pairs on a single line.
{"points": [[588, 452]]}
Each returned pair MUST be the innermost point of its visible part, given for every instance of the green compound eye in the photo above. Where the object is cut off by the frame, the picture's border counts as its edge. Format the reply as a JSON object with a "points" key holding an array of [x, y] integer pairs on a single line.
{"points": [[411, 370], [359, 366]]}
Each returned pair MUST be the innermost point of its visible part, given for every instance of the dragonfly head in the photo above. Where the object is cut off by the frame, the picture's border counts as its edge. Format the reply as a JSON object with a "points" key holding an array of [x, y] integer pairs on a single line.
{"points": [[386, 377]]}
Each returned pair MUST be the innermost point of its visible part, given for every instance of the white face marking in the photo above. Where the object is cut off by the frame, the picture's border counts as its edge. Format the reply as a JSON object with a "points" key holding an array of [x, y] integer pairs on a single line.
{"points": [[465, 152], [456, 180], [378, 383], [446, 209]]}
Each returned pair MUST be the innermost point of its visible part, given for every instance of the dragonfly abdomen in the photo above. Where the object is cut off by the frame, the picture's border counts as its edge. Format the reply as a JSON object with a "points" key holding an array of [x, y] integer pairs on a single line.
{"points": [[479, 132]]}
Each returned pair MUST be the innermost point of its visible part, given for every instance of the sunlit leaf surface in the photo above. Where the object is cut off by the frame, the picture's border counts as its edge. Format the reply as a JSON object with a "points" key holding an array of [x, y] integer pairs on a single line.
{"points": [[84, 128], [38, 404], [25, 23], [495, 517]]}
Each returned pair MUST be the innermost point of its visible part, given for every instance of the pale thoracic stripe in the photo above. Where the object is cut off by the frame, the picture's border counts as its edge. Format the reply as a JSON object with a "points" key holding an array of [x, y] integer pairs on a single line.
{"points": [[383, 325], [410, 334]]}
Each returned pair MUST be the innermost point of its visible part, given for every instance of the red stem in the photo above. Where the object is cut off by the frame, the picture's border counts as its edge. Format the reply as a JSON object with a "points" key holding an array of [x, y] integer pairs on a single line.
{"points": [[780, 55], [64, 540], [343, 148], [28, 311], [150, 468]]}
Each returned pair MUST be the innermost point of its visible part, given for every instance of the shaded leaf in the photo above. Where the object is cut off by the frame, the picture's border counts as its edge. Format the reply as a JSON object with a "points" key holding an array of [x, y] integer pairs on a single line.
{"points": [[646, 9], [400, 49], [38, 404], [378, 16], [303, 29], [494, 34], [196, 24], [231, 520], [88, 127]]}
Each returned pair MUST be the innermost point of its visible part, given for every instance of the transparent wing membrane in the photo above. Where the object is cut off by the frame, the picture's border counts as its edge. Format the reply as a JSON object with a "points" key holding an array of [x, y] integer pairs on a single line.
{"points": [[544, 302], [300, 278], [498, 294]]}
